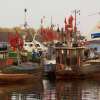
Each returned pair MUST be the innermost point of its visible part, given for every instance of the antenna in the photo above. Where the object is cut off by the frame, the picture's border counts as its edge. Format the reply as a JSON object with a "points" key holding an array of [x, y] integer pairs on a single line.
{"points": [[94, 13], [25, 20], [51, 23]]}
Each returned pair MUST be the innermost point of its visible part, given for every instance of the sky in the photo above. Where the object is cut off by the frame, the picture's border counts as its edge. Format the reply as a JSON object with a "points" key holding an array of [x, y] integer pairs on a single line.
{"points": [[12, 12]]}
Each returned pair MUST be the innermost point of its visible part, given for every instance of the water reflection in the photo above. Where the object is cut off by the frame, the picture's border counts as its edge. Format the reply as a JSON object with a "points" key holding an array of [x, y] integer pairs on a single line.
{"points": [[78, 90], [27, 91], [50, 90]]}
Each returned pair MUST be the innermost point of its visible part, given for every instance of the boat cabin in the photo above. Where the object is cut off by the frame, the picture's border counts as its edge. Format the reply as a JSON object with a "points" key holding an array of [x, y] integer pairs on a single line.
{"points": [[69, 58]]}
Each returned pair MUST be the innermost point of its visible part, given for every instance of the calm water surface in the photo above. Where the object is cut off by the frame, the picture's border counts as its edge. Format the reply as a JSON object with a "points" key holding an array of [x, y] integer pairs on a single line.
{"points": [[50, 90]]}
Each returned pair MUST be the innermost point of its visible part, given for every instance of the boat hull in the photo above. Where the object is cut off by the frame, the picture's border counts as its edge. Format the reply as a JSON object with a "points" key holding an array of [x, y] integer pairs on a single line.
{"points": [[68, 75], [22, 73], [15, 77], [87, 71]]}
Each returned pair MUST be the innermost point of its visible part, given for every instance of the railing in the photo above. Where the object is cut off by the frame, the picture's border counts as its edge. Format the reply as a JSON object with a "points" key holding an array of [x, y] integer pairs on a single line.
{"points": [[69, 57]]}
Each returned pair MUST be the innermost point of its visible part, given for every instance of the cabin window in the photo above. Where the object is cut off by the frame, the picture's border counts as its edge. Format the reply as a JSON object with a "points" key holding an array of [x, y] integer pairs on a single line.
{"points": [[31, 45], [25, 44], [37, 45], [3, 46]]}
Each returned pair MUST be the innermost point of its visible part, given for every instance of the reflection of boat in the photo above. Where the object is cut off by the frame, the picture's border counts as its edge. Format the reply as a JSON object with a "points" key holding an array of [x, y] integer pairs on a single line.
{"points": [[21, 90], [78, 90], [49, 92], [4, 88]]}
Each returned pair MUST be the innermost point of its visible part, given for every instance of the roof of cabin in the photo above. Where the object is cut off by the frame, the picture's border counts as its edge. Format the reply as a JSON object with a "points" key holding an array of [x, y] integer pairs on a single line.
{"points": [[3, 36]]}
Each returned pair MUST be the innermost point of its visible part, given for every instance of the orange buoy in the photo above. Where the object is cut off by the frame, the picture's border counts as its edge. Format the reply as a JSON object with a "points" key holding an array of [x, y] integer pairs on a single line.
{"points": [[9, 61], [60, 66]]}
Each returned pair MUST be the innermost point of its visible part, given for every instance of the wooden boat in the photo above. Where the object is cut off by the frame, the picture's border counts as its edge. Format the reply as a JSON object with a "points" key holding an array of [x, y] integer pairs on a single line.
{"points": [[21, 90], [70, 64], [77, 89], [23, 72], [72, 60], [15, 77], [20, 70]]}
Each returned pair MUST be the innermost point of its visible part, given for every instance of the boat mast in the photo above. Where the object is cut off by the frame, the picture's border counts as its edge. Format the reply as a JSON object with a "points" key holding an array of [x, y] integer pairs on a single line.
{"points": [[25, 19], [26, 23], [75, 27]]}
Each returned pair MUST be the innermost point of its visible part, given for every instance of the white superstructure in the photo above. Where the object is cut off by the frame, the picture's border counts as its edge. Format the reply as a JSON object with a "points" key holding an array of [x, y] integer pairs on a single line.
{"points": [[34, 45]]}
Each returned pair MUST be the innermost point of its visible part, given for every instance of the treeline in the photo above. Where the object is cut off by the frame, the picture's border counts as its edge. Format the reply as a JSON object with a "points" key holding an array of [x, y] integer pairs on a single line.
{"points": [[18, 29]]}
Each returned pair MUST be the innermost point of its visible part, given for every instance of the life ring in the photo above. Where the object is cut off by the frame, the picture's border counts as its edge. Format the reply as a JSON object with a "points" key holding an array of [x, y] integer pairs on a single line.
{"points": [[60, 66]]}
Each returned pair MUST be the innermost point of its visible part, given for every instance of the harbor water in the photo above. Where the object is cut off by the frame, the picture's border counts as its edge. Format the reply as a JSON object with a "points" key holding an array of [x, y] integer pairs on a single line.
{"points": [[52, 90]]}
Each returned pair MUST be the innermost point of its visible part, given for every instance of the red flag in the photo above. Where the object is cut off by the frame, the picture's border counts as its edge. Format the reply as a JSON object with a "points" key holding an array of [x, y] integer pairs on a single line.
{"points": [[19, 40], [15, 40], [11, 39], [65, 21], [70, 21], [66, 25]]}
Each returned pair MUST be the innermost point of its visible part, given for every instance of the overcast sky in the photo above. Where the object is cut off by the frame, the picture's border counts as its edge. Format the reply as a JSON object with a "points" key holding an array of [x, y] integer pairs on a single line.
{"points": [[12, 12]]}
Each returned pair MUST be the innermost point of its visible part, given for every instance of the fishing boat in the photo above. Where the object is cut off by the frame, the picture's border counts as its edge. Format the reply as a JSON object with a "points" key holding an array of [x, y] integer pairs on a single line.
{"points": [[12, 72], [15, 69], [71, 63], [75, 61], [28, 69], [21, 71]]}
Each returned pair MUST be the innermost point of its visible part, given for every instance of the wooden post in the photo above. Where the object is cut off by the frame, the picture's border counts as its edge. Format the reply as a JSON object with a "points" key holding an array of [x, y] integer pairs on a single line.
{"points": [[70, 57], [60, 56], [78, 59]]}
